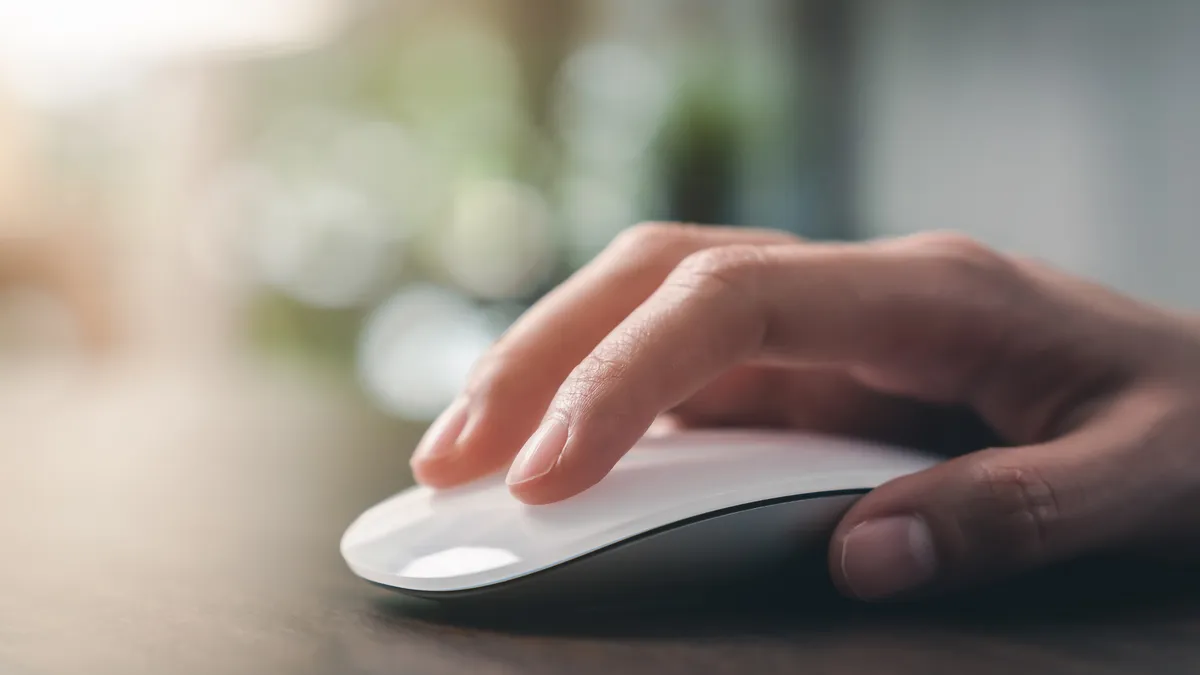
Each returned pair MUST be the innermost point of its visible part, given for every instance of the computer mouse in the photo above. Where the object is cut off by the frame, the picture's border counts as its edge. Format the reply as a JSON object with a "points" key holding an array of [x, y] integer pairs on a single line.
{"points": [[682, 510]]}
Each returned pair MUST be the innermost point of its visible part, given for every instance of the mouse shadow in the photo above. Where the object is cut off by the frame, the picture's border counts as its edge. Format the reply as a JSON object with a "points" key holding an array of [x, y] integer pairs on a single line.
{"points": [[1080, 595]]}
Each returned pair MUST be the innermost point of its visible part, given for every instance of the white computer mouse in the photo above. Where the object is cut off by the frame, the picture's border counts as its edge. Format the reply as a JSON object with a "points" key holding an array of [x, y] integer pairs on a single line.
{"points": [[688, 508]]}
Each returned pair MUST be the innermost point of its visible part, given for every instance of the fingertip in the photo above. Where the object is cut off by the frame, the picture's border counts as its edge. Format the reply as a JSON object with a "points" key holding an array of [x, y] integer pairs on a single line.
{"points": [[436, 460], [532, 494], [536, 475], [469, 443], [837, 555], [441, 439], [565, 470], [550, 488], [882, 550], [885, 558], [836, 574], [457, 469], [438, 474]]}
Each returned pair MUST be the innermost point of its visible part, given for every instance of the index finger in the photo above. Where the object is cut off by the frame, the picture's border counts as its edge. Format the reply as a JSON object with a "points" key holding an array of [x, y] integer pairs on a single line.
{"points": [[509, 390], [920, 317]]}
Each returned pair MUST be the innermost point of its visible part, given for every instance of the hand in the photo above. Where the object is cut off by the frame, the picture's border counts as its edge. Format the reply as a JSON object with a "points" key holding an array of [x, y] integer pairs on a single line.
{"points": [[1095, 395]]}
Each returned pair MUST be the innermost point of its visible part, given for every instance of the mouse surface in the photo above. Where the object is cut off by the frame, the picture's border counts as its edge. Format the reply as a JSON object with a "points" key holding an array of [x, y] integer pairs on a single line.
{"points": [[688, 508]]}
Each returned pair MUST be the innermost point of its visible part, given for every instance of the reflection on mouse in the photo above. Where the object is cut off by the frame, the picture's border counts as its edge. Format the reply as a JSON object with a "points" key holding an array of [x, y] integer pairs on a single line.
{"points": [[686, 509]]}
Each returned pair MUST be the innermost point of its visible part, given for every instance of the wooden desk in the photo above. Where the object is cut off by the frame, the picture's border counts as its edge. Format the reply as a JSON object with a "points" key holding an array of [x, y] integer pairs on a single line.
{"points": [[180, 525]]}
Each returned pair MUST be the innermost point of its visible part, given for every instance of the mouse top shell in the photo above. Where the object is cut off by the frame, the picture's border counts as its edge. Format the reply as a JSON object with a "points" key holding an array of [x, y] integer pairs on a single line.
{"points": [[429, 541]]}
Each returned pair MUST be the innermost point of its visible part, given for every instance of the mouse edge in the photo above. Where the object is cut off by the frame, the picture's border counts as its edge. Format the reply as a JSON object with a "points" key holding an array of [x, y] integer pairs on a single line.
{"points": [[503, 586]]}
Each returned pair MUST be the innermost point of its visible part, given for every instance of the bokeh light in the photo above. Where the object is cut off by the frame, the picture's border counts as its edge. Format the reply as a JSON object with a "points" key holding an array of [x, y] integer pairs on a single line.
{"points": [[613, 99], [499, 242], [612, 103], [417, 349], [325, 244], [596, 206]]}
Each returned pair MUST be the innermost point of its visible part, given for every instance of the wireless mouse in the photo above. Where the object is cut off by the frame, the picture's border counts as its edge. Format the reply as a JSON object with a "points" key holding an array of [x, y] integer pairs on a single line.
{"points": [[680, 510]]}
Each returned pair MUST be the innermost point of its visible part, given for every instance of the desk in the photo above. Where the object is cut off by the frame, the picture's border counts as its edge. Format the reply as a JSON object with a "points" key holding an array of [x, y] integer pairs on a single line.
{"points": [[178, 525]]}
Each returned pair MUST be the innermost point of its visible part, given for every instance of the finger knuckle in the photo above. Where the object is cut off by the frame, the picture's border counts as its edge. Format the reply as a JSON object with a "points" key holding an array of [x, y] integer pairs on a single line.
{"points": [[963, 259], [596, 374], [650, 236], [1022, 508], [719, 271]]}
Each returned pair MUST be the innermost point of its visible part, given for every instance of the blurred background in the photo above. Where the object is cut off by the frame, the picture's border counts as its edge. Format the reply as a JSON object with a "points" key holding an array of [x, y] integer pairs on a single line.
{"points": [[318, 213]]}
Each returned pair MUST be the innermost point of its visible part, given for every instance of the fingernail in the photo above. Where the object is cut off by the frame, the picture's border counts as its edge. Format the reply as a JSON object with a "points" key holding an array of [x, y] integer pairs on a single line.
{"points": [[885, 557], [441, 440], [540, 453]]}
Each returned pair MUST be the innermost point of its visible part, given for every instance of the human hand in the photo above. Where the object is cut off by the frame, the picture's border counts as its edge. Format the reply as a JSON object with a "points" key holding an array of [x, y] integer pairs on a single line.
{"points": [[1094, 394]]}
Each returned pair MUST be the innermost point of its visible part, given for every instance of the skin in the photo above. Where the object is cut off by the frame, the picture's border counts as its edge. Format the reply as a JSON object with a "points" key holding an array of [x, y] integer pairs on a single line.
{"points": [[1088, 399]]}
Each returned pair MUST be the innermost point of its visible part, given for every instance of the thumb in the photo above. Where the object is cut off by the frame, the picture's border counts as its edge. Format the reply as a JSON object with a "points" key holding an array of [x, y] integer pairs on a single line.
{"points": [[998, 512]]}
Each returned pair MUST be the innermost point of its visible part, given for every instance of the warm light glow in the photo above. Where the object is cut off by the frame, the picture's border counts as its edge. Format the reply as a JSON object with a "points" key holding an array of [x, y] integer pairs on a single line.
{"points": [[56, 49]]}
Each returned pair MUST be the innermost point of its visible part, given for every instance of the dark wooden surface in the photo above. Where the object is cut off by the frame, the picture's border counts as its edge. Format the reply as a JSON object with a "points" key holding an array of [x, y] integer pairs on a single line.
{"points": [[185, 525]]}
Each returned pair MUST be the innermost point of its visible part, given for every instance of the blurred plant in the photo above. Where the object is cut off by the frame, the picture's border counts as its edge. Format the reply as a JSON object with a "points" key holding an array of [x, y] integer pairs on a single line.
{"points": [[417, 348], [400, 184], [387, 159], [612, 102]]}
